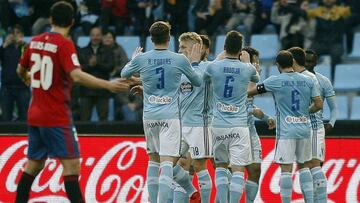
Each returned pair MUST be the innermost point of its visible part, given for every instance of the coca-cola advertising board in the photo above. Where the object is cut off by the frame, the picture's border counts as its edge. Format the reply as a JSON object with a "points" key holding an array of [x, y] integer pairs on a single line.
{"points": [[113, 169]]}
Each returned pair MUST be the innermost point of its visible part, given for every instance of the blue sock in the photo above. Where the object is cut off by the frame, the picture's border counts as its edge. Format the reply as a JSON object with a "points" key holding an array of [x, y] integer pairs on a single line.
{"points": [[285, 187], [320, 185], [153, 180], [165, 181], [205, 185], [180, 195], [182, 177], [222, 184], [171, 195], [236, 186], [306, 184], [251, 189]]}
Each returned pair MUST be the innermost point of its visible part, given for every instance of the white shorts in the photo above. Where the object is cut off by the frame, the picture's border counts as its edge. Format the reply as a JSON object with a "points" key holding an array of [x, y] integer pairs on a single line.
{"points": [[289, 150], [232, 146], [318, 144], [196, 140], [163, 137], [255, 145]]}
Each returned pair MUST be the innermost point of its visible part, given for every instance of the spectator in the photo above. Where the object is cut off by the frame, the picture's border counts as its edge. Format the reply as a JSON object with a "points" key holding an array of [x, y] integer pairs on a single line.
{"points": [[244, 13], [97, 60], [262, 15], [41, 15], [210, 14], [21, 12], [13, 90], [176, 12], [291, 20], [329, 30], [352, 21], [142, 18], [89, 11], [115, 12]]}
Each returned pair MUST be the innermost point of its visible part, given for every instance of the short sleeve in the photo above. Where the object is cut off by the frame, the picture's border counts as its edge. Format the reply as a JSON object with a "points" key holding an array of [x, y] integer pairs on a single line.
{"points": [[25, 58], [271, 84], [68, 57]]}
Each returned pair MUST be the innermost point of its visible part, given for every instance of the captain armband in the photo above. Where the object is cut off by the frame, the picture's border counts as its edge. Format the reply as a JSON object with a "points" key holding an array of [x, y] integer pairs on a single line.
{"points": [[261, 88]]}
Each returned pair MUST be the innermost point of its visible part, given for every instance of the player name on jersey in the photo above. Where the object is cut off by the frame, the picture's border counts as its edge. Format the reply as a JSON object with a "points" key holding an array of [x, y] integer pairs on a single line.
{"points": [[44, 46]]}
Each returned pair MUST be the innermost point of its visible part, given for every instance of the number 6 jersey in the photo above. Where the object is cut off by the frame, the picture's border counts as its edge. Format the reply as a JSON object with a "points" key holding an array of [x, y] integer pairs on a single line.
{"points": [[50, 57]]}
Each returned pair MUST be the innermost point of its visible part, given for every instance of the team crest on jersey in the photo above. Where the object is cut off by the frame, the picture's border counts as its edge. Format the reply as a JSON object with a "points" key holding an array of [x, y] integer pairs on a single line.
{"points": [[75, 59], [159, 100], [186, 87], [227, 108], [294, 119]]}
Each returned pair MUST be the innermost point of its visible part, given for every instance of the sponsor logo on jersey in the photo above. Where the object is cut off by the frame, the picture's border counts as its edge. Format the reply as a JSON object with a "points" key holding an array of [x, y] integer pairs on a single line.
{"points": [[228, 136], [159, 100], [186, 87], [158, 124], [227, 108], [294, 119]]}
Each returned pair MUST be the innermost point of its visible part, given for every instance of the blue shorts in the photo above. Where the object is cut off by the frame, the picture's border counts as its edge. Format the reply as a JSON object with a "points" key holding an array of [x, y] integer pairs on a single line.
{"points": [[53, 142]]}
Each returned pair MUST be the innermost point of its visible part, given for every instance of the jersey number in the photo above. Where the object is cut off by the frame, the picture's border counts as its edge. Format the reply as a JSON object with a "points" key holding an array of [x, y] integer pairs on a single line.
{"points": [[45, 66], [295, 101], [161, 83], [228, 89]]}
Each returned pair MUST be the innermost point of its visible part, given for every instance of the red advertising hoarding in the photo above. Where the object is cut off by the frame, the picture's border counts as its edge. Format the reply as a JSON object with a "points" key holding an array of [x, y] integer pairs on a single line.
{"points": [[113, 169]]}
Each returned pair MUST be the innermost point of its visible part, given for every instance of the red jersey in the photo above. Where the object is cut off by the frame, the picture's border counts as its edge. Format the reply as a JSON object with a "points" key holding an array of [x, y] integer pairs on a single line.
{"points": [[50, 57]]}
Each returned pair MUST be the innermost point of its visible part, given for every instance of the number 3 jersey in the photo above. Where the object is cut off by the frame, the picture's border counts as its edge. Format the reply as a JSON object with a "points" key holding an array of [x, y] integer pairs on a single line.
{"points": [[230, 79], [50, 57], [160, 73], [293, 93]]}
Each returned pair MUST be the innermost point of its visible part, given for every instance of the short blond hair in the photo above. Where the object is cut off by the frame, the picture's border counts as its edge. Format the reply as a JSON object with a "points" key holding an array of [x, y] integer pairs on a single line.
{"points": [[190, 36]]}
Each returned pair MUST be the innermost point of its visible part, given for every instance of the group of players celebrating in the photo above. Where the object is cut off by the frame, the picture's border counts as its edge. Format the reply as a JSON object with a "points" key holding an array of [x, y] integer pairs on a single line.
{"points": [[194, 110]]}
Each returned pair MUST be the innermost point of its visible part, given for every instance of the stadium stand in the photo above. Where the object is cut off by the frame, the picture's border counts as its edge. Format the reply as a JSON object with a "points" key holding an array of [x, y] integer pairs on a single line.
{"points": [[83, 41], [343, 109], [149, 45], [356, 47], [128, 43], [347, 77], [267, 43], [324, 70], [355, 108]]}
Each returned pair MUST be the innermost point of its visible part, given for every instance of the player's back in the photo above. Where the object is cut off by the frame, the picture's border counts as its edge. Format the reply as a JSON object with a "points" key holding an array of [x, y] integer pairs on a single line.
{"points": [[230, 79], [50, 58], [160, 73], [293, 96]]}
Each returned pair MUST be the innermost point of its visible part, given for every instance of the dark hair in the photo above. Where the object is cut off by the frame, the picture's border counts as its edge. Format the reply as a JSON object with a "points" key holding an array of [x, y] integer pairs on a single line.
{"points": [[107, 31], [233, 42], [17, 27], [284, 59], [206, 41], [160, 32], [62, 14], [252, 52], [313, 53], [298, 55]]}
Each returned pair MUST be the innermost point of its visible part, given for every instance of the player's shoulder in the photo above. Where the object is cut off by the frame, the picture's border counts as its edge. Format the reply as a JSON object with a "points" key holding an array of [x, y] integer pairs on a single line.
{"points": [[321, 77]]}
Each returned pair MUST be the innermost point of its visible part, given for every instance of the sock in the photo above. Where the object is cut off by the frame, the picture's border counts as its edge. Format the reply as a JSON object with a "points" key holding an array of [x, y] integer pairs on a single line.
{"points": [[236, 186], [182, 177], [72, 188], [222, 184], [180, 195], [153, 180], [229, 176], [165, 180], [320, 184], [172, 189], [251, 189], [285, 187], [23, 188], [205, 185], [306, 184]]}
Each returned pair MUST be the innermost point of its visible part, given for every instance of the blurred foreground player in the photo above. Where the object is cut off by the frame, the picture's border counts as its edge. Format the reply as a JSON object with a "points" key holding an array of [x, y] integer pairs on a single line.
{"points": [[49, 65]]}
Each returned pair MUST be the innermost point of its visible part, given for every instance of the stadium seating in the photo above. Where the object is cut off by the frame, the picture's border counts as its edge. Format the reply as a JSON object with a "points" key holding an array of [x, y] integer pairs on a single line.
{"points": [[83, 41], [267, 44], [266, 103], [128, 43], [356, 47], [111, 113], [149, 45], [1, 41], [355, 108], [263, 73], [347, 77], [27, 39], [343, 109], [219, 44], [324, 70]]}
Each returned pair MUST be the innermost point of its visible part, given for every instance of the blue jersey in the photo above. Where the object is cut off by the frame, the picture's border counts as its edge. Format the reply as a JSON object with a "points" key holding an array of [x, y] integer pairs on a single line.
{"points": [[326, 90], [251, 118], [160, 73], [293, 93], [230, 79], [194, 101]]}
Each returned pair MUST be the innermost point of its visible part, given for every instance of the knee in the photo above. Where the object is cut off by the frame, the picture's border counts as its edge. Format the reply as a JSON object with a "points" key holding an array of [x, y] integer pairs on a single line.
{"points": [[71, 167]]}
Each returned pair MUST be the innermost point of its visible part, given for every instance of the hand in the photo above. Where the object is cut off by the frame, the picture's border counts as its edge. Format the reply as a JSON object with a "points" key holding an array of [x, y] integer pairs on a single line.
{"points": [[138, 89], [137, 52], [118, 85], [92, 61], [271, 123], [26, 78], [328, 128], [195, 55], [221, 56], [134, 81], [9, 40], [245, 57], [201, 15]]}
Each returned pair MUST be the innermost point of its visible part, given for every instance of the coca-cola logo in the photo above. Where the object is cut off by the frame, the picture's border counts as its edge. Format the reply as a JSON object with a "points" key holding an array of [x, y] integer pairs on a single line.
{"points": [[113, 169]]}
